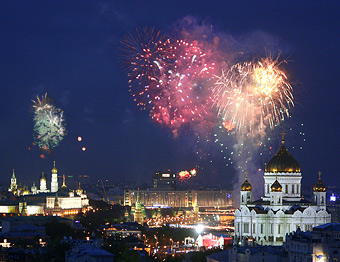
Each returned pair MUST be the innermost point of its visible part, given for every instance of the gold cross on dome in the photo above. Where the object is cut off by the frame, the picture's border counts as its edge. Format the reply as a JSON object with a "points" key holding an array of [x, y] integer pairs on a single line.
{"points": [[283, 136], [246, 174], [319, 175]]}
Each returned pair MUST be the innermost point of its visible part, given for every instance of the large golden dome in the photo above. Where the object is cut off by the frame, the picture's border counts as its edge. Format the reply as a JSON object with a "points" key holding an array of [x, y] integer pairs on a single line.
{"points": [[319, 187], [283, 162], [276, 187]]}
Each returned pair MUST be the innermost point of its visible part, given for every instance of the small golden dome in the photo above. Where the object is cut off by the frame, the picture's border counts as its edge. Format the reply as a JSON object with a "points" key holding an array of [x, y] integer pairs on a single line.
{"points": [[54, 170], [43, 176], [276, 187], [246, 186], [283, 162], [79, 191], [319, 187]]}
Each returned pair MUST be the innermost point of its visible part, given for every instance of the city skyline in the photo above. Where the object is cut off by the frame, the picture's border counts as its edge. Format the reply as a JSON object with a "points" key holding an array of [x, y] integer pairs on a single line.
{"points": [[72, 53]]}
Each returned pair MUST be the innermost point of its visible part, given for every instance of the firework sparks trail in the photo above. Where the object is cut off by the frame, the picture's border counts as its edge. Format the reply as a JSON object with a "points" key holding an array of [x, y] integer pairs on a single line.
{"points": [[253, 95], [49, 128], [145, 53], [183, 99]]}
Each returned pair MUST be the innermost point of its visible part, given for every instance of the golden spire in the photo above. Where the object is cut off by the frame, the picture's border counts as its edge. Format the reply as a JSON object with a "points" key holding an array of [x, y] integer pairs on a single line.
{"points": [[246, 175], [79, 191], [64, 185], [42, 176], [283, 136], [54, 169]]}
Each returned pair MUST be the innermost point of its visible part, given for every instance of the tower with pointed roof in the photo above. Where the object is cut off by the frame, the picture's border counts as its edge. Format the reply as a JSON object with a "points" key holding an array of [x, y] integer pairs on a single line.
{"points": [[320, 193], [54, 180], [282, 209], [43, 184], [246, 192], [13, 187], [138, 215], [34, 189]]}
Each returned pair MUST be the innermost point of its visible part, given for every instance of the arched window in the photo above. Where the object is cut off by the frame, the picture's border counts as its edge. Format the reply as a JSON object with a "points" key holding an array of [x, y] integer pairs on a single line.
{"points": [[242, 199], [286, 189]]}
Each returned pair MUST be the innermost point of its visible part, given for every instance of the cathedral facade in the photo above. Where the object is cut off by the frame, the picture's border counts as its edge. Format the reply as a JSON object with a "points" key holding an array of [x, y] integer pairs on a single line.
{"points": [[282, 209]]}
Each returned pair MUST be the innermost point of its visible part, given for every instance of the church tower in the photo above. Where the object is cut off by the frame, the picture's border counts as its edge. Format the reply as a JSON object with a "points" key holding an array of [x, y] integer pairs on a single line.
{"points": [[13, 187], [43, 184], [138, 216], [34, 189], [246, 192], [320, 194], [284, 169], [54, 180], [276, 194]]}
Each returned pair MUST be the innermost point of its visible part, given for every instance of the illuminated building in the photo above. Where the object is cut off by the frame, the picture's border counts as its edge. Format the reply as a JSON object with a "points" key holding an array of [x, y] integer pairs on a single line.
{"points": [[13, 187], [34, 189], [213, 240], [282, 209], [322, 244], [166, 181], [180, 198], [43, 201], [138, 215], [43, 184], [65, 202], [54, 180]]}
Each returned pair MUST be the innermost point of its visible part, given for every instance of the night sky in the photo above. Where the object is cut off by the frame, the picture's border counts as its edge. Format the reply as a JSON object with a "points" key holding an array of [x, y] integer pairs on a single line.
{"points": [[71, 50]]}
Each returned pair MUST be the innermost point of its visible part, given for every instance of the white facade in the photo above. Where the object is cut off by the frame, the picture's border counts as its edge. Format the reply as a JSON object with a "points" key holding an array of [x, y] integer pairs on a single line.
{"points": [[43, 184], [68, 202], [282, 209], [54, 180]]}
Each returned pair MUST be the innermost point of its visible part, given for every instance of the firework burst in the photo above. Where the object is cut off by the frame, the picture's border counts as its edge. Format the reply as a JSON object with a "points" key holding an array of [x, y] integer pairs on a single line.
{"points": [[49, 129], [145, 54], [184, 98], [253, 95]]}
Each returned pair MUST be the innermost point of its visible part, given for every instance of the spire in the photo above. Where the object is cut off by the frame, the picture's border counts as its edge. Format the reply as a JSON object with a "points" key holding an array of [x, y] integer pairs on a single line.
{"points": [[54, 169], [283, 136], [64, 185], [13, 175], [42, 176], [79, 191]]}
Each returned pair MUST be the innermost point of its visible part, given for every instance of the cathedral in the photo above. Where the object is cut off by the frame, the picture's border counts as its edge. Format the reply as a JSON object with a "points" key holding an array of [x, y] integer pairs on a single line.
{"points": [[54, 201], [282, 209]]}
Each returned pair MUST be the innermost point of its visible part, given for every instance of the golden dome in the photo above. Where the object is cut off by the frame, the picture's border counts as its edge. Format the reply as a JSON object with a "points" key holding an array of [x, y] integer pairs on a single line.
{"points": [[246, 186], [276, 187], [79, 191], [43, 176], [319, 187], [54, 170], [283, 162]]}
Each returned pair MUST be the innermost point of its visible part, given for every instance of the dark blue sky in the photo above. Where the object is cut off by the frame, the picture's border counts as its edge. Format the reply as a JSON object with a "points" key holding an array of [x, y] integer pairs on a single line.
{"points": [[70, 49]]}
